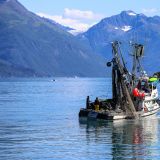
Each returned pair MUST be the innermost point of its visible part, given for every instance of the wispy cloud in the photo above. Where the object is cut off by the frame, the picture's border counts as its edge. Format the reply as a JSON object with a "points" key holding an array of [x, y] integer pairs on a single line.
{"points": [[81, 15], [150, 11], [74, 18], [73, 23]]}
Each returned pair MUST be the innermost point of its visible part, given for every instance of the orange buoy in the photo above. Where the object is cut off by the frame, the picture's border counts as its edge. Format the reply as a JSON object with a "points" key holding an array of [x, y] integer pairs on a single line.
{"points": [[142, 95], [136, 92]]}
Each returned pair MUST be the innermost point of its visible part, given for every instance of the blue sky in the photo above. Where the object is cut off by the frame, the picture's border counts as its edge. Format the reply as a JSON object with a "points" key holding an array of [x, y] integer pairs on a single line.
{"points": [[81, 14]]}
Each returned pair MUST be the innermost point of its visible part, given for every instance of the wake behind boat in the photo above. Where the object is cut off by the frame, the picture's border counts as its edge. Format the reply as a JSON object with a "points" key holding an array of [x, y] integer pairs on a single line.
{"points": [[134, 95]]}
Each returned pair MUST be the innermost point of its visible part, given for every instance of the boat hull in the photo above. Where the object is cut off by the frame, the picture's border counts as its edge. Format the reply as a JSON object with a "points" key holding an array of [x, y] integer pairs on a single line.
{"points": [[92, 114]]}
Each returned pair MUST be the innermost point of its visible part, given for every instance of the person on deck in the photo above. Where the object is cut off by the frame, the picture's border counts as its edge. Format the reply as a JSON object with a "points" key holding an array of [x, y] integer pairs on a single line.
{"points": [[96, 104]]}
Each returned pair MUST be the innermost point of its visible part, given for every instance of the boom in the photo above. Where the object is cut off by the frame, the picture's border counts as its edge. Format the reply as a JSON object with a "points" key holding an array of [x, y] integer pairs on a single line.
{"points": [[121, 82]]}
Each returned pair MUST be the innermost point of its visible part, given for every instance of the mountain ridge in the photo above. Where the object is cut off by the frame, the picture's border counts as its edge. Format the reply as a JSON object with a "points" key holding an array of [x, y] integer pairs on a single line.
{"points": [[30, 46], [125, 27]]}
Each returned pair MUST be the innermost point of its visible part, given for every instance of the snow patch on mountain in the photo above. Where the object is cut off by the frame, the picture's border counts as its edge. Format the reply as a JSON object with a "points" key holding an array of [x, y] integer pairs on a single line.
{"points": [[131, 13], [126, 28]]}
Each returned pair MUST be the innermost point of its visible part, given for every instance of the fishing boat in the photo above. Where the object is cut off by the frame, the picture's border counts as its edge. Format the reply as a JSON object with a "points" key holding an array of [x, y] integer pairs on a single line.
{"points": [[134, 93]]}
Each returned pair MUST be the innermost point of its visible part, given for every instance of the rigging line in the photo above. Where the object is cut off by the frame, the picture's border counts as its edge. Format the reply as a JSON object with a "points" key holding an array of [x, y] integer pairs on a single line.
{"points": [[120, 52], [140, 65]]}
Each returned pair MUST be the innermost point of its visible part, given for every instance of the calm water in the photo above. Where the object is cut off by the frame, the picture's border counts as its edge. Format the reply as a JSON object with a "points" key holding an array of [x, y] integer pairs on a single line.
{"points": [[39, 121]]}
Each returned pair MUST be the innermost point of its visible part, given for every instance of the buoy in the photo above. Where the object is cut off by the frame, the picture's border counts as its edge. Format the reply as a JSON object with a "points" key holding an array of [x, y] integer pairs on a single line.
{"points": [[136, 93], [142, 95], [153, 79]]}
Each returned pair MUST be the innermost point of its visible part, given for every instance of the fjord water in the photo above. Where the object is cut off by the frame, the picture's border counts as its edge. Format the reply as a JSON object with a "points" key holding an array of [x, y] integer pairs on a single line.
{"points": [[39, 121]]}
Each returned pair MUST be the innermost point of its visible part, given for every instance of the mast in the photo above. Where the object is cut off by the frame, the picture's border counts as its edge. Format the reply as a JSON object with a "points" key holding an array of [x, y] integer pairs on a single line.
{"points": [[120, 81], [138, 52]]}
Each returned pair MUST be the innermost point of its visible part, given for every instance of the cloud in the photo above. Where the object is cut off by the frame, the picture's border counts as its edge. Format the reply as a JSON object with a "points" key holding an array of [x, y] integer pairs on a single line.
{"points": [[73, 23], [74, 18], [81, 15], [150, 11]]}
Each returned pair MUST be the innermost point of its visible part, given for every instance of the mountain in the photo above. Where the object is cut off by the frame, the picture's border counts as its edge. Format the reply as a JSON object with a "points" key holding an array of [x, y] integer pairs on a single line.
{"points": [[73, 31], [65, 28], [32, 46], [127, 26]]}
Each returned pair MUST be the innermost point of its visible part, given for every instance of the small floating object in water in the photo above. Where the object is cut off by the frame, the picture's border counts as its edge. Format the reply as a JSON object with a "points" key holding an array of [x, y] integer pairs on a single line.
{"points": [[53, 80]]}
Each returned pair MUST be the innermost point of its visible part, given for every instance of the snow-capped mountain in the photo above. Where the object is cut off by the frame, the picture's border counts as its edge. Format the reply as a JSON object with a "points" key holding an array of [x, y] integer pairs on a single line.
{"points": [[127, 26]]}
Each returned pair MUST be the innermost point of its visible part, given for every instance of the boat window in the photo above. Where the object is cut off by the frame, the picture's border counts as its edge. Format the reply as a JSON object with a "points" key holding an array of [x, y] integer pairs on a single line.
{"points": [[142, 83], [146, 86]]}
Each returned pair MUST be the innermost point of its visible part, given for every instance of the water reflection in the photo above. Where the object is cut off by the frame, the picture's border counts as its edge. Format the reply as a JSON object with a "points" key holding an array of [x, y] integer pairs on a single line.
{"points": [[126, 139]]}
